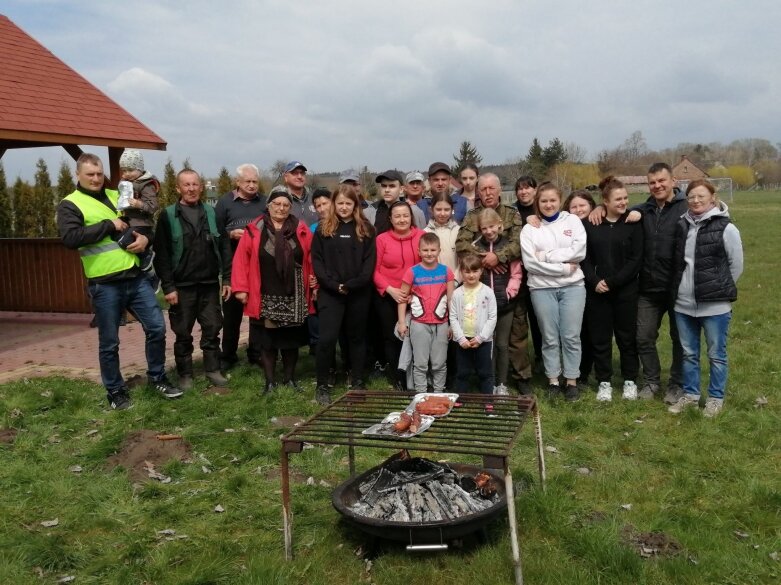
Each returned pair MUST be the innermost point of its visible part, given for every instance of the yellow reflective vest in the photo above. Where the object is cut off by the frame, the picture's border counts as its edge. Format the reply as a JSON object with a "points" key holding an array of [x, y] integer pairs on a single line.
{"points": [[104, 257]]}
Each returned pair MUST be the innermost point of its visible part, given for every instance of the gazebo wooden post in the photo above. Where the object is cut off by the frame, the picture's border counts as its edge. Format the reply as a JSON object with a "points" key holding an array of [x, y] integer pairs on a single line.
{"points": [[114, 152]]}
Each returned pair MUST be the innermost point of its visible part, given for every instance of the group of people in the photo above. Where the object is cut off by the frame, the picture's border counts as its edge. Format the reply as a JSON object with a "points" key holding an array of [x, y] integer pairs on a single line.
{"points": [[455, 279]]}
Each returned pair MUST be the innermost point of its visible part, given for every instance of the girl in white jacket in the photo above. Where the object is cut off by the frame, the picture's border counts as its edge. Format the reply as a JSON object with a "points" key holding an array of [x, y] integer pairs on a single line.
{"points": [[551, 256]]}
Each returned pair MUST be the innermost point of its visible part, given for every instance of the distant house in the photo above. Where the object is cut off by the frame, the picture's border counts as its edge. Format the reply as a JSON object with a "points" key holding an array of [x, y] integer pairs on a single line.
{"points": [[687, 171], [635, 183]]}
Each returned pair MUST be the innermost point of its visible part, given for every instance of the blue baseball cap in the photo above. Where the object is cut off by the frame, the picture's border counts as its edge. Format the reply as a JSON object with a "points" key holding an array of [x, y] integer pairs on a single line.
{"points": [[293, 165]]}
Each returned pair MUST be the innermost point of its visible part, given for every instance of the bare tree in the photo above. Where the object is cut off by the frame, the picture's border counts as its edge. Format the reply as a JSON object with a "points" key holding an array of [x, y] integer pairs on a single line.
{"points": [[575, 152]]}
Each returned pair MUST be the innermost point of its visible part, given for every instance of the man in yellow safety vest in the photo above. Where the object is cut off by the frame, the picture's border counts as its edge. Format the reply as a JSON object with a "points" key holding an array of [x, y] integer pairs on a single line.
{"points": [[88, 221]]}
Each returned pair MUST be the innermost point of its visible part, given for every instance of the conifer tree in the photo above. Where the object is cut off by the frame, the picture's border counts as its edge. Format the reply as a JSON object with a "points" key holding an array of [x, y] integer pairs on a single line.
{"points": [[6, 207], [65, 183], [224, 182], [168, 194], [466, 154], [25, 215], [43, 198]]}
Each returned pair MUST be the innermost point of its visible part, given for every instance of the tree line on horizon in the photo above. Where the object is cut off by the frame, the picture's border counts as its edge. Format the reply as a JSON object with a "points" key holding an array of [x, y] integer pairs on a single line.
{"points": [[28, 210]]}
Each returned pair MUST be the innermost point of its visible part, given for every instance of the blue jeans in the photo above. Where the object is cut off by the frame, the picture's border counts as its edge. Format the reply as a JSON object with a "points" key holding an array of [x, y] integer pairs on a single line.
{"points": [[109, 300], [716, 329], [560, 314]]}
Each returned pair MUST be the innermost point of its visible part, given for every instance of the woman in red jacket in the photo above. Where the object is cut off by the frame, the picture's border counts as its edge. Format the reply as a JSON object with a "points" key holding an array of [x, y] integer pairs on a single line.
{"points": [[271, 276], [397, 251]]}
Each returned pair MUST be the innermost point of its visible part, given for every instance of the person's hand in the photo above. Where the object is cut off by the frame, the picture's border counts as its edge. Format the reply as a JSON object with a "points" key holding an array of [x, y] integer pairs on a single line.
{"points": [[449, 334], [341, 289], [241, 297], [139, 243], [602, 287], [137, 203], [634, 216], [236, 234], [597, 215], [573, 266], [403, 329], [119, 225], [466, 344], [226, 292], [396, 294], [534, 221], [474, 343], [172, 298], [312, 281], [490, 260]]}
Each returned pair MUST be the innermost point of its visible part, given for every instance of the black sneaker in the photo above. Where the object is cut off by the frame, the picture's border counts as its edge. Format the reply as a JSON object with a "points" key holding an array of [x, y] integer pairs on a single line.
{"points": [[524, 387], [120, 400], [571, 394], [167, 389], [554, 391], [147, 262], [227, 363], [268, 388], [322, 395], [358, 385]]}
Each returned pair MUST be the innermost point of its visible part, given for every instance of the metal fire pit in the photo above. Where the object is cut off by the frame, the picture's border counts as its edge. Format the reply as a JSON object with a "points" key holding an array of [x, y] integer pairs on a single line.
{"points": [[418, 534], [482, 425]]}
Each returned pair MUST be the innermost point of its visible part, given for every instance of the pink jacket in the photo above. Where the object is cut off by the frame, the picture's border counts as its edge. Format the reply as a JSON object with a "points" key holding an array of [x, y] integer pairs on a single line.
{"points": [[245, 274], [395, 254]]}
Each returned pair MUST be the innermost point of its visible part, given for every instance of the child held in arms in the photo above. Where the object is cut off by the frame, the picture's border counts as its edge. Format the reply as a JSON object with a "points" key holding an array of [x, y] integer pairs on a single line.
{"points": [[144, 203]]}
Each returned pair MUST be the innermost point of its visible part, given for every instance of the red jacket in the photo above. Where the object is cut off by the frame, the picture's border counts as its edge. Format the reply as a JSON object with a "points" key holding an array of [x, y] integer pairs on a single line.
{"points": [[245, 275], [395, 255]]}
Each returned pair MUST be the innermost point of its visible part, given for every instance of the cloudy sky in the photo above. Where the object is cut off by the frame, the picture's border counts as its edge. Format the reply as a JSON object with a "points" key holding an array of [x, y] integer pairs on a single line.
{"points": [[347, 83]]}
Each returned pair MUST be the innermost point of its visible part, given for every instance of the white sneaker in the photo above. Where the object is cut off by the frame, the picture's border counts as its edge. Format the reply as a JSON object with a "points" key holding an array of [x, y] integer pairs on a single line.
{"points": [[684, 402], [713, 407], [630, 390], [501, 390], [605, 392]]}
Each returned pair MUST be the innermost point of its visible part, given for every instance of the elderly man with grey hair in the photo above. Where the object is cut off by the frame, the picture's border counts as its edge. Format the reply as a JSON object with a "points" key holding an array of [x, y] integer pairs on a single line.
{"points": [[233, 212], [489, 191]]}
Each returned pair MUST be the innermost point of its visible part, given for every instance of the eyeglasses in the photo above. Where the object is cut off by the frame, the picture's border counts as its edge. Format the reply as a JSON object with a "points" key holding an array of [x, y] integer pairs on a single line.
{"points": [[698, 197]]}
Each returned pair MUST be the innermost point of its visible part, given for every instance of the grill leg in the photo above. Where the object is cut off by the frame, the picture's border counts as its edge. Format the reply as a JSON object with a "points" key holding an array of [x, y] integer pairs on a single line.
{"points": [[516, 547], [287, 514], [540, 450], [351, 458]]}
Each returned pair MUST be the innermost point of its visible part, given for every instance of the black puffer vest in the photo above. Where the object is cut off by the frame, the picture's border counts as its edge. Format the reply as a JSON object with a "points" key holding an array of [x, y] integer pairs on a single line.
{"points": [[712, 278]]}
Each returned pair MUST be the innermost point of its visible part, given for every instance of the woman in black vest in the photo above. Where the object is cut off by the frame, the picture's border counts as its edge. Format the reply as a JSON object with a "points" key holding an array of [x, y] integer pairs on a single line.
{"points": [[708, 262]]}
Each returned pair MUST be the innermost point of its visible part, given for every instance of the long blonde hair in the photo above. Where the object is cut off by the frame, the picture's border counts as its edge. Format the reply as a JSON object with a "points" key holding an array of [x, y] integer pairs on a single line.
{"points": [[363, 229]]}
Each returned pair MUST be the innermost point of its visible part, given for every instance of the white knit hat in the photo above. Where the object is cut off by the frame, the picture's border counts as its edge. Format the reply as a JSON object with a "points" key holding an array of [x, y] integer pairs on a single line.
{"points": [[132, 159]]}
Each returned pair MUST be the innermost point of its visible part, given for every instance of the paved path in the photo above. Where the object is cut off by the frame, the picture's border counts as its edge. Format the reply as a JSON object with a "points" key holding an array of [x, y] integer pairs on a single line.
{"points": [[45, 344]]}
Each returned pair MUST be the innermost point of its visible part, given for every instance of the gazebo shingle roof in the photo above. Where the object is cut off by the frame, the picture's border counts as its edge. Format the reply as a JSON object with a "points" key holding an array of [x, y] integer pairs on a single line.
{"points": [[42, 100]]}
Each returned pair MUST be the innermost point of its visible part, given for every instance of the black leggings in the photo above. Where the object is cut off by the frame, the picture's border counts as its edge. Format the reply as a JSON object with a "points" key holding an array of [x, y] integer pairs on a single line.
{"points": [[346, 314], [388, 312]]}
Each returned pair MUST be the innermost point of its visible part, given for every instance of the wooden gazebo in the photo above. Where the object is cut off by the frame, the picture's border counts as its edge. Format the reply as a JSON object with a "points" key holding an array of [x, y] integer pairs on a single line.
{"points": [[43, 102]]}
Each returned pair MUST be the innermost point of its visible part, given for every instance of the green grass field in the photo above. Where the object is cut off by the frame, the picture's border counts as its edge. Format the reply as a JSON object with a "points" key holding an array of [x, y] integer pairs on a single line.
{"points": [[711, 487]]}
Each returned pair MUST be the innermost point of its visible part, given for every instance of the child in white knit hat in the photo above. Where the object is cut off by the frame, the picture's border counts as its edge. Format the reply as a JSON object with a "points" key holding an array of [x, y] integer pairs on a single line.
{"points": [[144, 204]]}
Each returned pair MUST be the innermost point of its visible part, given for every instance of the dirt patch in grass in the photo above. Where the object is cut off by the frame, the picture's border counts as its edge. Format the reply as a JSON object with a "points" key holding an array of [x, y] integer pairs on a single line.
{"points": [[650, 544], [218, 390], [8, 436], [140, 447]]}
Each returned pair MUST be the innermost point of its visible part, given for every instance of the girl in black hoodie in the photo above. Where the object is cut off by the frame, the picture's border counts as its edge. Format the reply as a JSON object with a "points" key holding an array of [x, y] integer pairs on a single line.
{"points": [[343, 258], [614, 254]]}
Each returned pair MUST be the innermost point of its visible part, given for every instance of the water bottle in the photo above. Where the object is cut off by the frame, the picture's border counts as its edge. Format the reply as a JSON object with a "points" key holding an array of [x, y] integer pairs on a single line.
{"points": [[125, 189]]}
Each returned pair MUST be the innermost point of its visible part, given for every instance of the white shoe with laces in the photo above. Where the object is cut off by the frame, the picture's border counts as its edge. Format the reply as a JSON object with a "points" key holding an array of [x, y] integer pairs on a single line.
{"points": [[605, 392], [501, 390], [630, 390]]}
